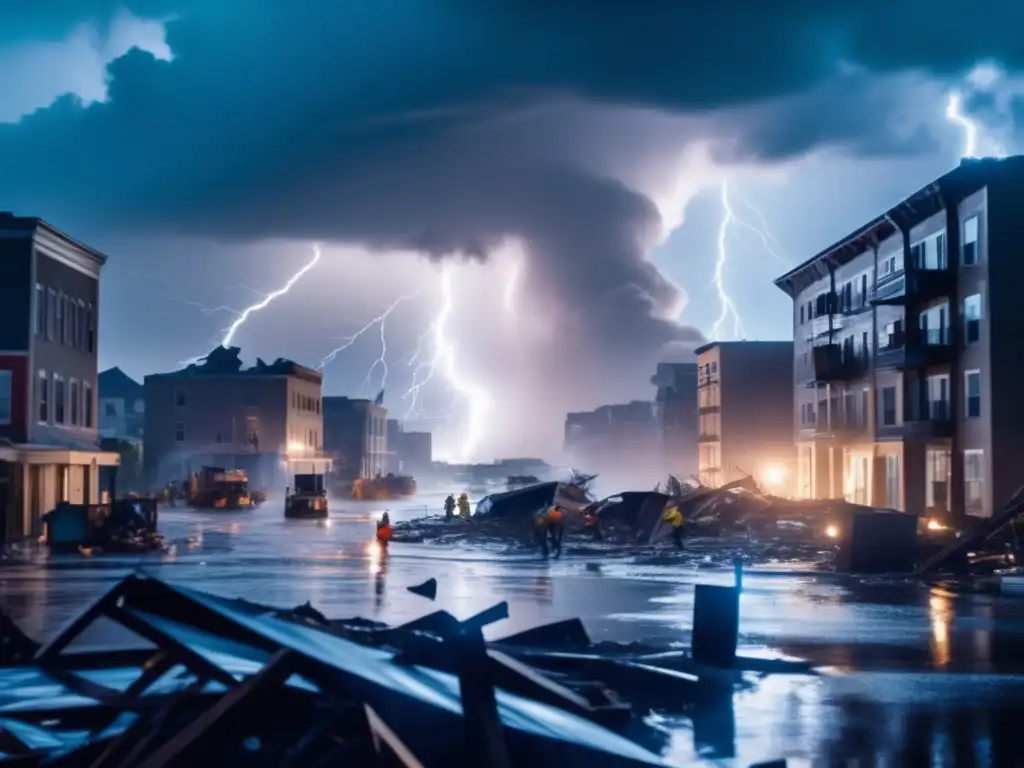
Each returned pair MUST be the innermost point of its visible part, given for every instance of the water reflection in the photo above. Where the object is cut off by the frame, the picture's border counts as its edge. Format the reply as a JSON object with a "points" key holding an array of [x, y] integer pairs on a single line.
{"points": [[940, 613]]}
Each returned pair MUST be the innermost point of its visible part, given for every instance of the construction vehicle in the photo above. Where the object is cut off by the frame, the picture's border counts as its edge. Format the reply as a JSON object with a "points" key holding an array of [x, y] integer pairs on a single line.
{"points": [[219, 488], [309, 499], [382, 488]]}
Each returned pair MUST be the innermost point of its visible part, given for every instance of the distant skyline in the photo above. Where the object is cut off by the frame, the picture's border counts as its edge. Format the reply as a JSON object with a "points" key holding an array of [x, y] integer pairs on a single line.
{"points": [[206, 146]]}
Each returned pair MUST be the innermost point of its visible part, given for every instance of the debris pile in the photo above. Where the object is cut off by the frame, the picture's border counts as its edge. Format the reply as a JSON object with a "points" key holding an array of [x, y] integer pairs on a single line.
{"points": [[221, 681], [124, 526]]}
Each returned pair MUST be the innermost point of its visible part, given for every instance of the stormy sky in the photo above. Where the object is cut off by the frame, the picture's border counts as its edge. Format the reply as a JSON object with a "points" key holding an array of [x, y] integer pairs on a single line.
{"points": [[558, 163]]}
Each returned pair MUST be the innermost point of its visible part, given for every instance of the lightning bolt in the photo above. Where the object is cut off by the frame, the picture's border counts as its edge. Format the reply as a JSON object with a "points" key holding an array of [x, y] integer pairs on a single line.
{"points": [[229, 334], [732, 223], [510, 288], [378, 321], [444, 361], [955, 114], [726, 304]]}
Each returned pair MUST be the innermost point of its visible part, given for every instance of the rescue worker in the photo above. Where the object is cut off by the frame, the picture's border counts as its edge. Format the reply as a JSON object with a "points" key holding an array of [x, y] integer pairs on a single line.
{"points": [[449, 507], [384, 529], [555, 528], [463, 505], [540, 531], [590, 523], [675, 518]]}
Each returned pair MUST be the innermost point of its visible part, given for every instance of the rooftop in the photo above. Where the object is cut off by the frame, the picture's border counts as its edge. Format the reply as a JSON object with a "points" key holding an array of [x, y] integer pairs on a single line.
{"points": [[31, 225], [225, 361], [742, 343], [968, 177], [114, 382]]}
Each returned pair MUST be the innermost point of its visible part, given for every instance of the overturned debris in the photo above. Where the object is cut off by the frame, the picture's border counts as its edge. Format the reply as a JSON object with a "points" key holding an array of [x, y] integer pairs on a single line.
{"points": [[229, 681]]}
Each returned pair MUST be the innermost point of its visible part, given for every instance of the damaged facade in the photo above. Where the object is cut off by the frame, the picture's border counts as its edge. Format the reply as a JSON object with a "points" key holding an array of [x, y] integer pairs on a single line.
{"points": [[745, 407], [266, 420], [356, 437], [675, 415], [897, 328], [614, 438], [49, 300]]}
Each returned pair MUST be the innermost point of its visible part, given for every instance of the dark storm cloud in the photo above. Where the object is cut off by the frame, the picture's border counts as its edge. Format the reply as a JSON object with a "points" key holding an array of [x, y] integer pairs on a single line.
{"points": [[367, 121]]}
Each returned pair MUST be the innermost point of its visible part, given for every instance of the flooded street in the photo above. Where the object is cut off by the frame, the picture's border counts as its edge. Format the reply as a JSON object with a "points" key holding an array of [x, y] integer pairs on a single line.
{"points": [[910, 673]]}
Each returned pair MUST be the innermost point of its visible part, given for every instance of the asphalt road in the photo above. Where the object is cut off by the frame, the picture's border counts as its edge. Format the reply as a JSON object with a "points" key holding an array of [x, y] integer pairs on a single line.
{"points": [[911, 675]]}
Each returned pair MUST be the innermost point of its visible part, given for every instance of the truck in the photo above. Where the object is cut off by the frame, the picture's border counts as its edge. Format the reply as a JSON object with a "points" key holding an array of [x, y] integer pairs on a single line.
{"points": [[219, 488], [308, 501]]}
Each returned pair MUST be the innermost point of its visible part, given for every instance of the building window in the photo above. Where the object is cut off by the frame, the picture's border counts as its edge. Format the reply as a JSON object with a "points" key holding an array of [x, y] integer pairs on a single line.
{"points": [[64, 483], [43, 397], [893, 495], [6, 388], [888, 406], [110, 409], [970, 245], [90, 329], [974, 478], [76, 402], [51, 313], [252, 432], [87, 405], [801, 314], [972, 391], [68, 335], [938, 397], [40, 313], [58, 399], [179, 432], [80, 324], [179, 397], [972, 319], [59, 329], [937, 470]]}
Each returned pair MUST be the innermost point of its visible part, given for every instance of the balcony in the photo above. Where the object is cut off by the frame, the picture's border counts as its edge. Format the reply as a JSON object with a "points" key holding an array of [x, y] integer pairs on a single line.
{"points": [[705, 410], [831, 363], [708, 437], [841, 430], [933, 421], [926, 348], [913, 286]]}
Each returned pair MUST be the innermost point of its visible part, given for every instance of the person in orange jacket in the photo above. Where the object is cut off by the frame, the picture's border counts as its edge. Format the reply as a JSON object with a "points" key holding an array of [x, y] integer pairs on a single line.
{"points": [[549, 525], [384, 529]]}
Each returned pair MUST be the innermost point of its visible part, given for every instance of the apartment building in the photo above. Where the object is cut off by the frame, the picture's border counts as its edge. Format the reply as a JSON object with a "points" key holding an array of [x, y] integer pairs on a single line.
{"points": [[356, 437], [907, 356], [49, 304], [745, 413], [266, 420], [675, 416]]}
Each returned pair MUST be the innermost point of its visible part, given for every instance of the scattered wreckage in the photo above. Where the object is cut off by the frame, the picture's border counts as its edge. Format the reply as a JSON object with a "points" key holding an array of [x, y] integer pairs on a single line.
{"points": [[222, 681], [127, 525], [735, 520]]}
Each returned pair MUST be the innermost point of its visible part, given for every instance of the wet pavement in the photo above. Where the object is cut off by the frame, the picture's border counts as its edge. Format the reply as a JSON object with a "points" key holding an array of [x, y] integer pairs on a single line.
{"points": [[911, 675]]}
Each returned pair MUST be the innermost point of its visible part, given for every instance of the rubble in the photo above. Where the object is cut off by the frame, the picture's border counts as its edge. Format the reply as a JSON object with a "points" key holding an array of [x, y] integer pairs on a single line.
{"points": [[735, 521], [233, 682], [126, 525]]}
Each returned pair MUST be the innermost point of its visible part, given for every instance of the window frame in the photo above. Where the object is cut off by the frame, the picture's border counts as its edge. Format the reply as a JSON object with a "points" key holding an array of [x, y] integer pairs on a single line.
{"points": [[179, 429], [87, 409], [179, 397], [59, 403], [75, 401], [968, 320], [975, 252], [970, 481], [43, 391], [967, 393], [7, 383]]}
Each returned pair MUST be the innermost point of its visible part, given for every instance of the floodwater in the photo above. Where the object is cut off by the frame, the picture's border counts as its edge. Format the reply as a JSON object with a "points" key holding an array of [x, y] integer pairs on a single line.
{"points": [[910, 675]]}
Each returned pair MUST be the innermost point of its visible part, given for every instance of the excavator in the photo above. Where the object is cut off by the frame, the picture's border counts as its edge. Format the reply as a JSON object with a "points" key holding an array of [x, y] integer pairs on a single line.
{"points": [[385, 487], [219, 488]]}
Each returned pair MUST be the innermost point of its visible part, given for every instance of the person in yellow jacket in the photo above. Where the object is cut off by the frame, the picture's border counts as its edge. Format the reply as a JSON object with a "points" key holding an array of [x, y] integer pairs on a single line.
{"points": [[463, 505], [675, 518]]}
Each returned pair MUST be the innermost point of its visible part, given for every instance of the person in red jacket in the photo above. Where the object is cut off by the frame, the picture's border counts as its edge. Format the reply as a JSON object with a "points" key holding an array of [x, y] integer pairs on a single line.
{"points": [[384, 529]]}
